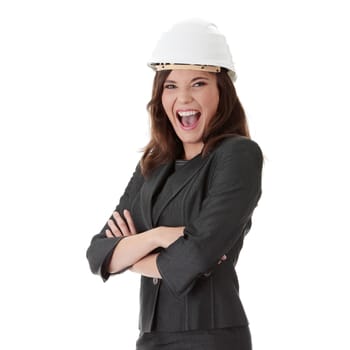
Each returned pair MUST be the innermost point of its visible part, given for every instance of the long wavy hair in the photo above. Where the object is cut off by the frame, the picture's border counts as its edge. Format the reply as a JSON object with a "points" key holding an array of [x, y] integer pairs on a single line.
{"points": [[165, 146]]}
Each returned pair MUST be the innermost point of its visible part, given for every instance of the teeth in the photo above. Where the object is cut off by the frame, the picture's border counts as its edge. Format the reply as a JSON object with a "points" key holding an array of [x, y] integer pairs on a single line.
{"points": [[187, 113]]}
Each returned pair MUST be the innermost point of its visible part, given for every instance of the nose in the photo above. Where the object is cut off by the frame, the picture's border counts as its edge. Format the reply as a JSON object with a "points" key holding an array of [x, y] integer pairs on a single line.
{"points": [[184, 96]]}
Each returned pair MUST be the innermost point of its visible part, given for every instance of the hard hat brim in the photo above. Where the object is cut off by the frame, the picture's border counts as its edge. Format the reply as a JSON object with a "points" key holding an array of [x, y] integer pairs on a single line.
{"points": [[177, 66], [183, 66]]}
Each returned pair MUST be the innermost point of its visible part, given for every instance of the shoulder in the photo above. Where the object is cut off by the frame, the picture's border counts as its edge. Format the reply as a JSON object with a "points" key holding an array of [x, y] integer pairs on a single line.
{"points": [[237, 146], [137, 178], [236, 160]]}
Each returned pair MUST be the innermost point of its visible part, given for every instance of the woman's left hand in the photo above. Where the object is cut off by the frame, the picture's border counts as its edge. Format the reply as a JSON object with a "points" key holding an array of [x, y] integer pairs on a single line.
{"points": [[123, 228]]}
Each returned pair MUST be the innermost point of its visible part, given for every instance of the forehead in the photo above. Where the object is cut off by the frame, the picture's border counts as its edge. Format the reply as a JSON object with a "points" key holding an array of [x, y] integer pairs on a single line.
{"points": [[188, 75]]}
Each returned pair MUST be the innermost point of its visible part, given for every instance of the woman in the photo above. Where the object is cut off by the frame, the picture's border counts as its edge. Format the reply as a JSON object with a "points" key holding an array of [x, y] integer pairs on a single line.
{"points": [[184, 214]]}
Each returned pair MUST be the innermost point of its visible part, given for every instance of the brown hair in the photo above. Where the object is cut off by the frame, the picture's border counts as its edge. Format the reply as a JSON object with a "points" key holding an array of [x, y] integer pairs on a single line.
{"points": [[165, 146]]}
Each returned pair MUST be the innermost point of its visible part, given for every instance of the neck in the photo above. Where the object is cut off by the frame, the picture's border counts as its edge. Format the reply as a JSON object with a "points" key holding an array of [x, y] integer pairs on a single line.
{"points": [[192, 150]]}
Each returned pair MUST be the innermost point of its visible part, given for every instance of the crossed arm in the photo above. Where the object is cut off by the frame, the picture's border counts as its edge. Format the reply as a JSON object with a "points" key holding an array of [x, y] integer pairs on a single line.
{"points": [[234, 191], [135, 249]]}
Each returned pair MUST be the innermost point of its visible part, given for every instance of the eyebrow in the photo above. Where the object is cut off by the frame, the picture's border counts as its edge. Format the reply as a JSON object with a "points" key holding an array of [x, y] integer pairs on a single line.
{"points": [[192, 80]]}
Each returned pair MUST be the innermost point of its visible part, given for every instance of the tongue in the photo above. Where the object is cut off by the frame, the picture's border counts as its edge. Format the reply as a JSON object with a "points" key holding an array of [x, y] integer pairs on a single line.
{"points": [[189, 120]]}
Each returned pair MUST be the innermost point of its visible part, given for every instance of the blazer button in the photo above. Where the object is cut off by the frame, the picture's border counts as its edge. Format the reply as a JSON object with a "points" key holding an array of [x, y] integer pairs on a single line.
{"points": [[155, 281]]}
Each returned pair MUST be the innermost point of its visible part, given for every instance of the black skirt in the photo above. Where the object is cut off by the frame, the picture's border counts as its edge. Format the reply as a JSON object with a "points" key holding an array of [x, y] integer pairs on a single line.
{"points": [[236, 338]]}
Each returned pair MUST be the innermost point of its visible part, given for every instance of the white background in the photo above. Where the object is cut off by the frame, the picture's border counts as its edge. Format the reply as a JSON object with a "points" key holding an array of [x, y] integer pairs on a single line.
{"points": [[73, 89]]}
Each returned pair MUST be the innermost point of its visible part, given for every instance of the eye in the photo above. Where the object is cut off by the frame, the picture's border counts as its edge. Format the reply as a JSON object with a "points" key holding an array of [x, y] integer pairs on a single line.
{"points": [[169, 86], [199, 83]]}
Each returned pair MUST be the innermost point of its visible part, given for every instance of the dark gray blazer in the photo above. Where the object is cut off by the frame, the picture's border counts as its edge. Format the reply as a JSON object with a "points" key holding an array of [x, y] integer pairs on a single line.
{"points": [[214, 198]]}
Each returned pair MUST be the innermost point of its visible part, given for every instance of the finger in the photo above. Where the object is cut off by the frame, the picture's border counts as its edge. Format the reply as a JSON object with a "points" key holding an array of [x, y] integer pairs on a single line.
{"points": [[109, 234], [123, 227], [130, 222], [223, 258], [115, 230]]}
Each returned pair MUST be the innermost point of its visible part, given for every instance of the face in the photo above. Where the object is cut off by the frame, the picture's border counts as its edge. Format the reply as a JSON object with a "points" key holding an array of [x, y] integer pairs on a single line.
{"points": [[190, 99]]}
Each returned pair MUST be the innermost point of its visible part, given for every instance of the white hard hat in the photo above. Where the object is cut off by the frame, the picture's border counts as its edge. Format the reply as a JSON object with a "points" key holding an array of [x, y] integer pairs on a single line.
{"points": [[193, 44]]}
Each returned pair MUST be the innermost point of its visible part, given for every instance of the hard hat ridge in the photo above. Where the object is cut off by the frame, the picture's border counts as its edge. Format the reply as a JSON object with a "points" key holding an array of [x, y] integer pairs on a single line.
{"points": [[193, 42]]}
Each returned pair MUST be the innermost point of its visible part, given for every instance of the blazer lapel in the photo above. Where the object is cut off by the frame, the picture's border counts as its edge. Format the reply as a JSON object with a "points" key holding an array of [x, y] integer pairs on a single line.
{"points": [[175, 183], [149, 188]]}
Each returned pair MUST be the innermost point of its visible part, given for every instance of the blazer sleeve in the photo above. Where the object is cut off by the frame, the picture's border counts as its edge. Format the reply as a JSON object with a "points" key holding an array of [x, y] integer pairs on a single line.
{"points": [[101, 247], [234, 191]]}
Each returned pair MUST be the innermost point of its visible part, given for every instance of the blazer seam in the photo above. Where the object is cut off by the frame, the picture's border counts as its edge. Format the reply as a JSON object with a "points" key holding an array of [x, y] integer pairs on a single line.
{"points": [[212, 298]]}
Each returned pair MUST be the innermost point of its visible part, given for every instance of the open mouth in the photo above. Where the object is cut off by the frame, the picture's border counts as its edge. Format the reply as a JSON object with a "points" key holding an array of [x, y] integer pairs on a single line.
{"points": [[188, 119]]}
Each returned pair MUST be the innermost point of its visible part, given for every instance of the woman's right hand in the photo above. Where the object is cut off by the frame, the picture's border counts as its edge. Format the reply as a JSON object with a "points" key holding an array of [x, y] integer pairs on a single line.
{"points": [[165, 235]]}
